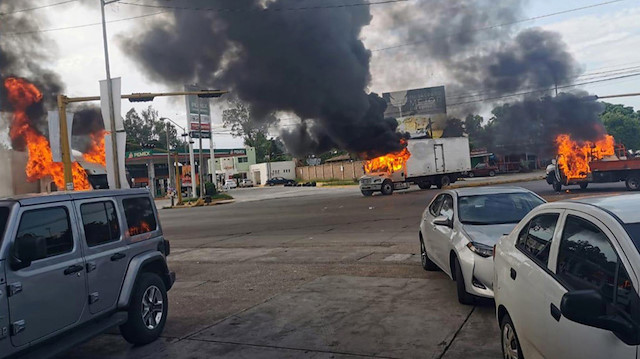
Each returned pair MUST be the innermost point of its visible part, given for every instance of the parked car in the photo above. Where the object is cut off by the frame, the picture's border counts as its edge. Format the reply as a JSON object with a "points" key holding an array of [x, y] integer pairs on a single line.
{"points": [[246, 182], [229, 184], [460, 227], [566, 281], [279, 180], [483, 170], [74, 265]]}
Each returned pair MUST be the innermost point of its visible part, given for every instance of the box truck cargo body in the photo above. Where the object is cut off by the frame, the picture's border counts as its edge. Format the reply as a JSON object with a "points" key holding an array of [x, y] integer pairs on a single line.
{"points": [[437, 161]]}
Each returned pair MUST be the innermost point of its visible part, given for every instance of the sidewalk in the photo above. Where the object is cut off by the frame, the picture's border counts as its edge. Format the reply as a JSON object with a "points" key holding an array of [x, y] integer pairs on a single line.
{"points": [[499, 179]]}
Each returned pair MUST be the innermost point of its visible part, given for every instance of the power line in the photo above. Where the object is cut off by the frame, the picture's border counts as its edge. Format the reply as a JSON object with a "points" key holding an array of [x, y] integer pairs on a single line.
{"points": [[542, 90], [498, 25], [81, 26], [317, 7], [37, 7], [591, 76]]}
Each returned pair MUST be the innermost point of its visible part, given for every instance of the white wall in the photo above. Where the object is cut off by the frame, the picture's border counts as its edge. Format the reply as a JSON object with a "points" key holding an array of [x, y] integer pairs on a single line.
{"points": [[285, 169]]}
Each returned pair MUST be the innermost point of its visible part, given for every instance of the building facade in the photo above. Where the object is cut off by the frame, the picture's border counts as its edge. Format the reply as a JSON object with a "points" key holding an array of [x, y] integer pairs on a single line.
{"points": [[261, 172]]}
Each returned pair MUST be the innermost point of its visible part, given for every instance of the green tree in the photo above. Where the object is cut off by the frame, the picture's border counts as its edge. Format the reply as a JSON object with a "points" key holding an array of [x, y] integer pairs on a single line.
{"points": [[623, 123], [254, 132], [454, 128], [147, 131]]}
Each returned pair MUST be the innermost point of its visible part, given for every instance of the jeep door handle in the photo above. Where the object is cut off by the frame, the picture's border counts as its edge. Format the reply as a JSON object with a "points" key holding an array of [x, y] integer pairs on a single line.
{"points": [[117, 257], [555, 312], [513, 274], [73, 269]]}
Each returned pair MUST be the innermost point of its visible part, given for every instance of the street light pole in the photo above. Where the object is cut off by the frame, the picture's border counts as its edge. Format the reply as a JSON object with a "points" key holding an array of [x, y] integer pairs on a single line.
{"points": [[169, 182], [200, 157], [112, 118]]}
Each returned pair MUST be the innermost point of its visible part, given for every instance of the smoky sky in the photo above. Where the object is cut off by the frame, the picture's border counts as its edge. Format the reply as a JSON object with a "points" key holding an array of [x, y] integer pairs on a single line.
{"points": [[309, 62], [533, 124], [314, 63], [24, 55]]}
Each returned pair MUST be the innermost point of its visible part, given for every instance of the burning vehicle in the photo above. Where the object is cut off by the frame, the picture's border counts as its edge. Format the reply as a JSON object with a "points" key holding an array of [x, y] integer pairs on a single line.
{"points": [[425, 162], [600, 161]]}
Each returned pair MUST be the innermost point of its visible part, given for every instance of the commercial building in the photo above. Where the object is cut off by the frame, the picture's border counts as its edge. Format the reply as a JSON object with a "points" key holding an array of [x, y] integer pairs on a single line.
{"points": [[261, 172], [149, 167]]}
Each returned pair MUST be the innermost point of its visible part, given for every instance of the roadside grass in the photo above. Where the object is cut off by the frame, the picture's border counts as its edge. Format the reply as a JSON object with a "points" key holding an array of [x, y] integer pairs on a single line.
{"points": [[215, 198], [337, 182]]}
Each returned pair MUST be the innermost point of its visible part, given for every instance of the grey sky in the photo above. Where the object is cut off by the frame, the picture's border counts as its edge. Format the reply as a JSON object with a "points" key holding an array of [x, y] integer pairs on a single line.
{"points": [[601, 39]]}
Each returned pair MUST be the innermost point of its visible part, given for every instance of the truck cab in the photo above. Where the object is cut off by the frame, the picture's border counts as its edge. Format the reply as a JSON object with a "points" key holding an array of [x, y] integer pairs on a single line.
{"points": [[385, 182]]}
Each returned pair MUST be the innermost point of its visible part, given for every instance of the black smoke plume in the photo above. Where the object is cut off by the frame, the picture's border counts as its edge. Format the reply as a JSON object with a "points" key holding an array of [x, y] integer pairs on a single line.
{"points": [[23, 51], [87, 120], [309, 62]]}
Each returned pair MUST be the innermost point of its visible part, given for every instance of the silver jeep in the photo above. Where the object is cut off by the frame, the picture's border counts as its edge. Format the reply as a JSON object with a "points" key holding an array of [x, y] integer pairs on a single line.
{"points": [[73, 265]]}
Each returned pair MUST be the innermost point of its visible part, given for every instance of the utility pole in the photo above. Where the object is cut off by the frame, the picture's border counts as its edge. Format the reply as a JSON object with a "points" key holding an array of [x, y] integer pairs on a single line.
{"points": [[112, 118], [64, 141]]}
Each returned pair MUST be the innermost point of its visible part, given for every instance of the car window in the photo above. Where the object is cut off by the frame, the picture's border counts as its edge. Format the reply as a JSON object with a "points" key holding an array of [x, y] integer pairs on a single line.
{"points": [[4, 218], [434, 208], [447, 207], [481, 165], [100, 223], [535, 238], [587, 260], [497, 208], [139, 215], [50, 225]]}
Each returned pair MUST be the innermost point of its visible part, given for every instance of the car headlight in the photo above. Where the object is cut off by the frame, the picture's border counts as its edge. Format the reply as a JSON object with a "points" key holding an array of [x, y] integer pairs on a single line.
{"points": [[480, 249]]}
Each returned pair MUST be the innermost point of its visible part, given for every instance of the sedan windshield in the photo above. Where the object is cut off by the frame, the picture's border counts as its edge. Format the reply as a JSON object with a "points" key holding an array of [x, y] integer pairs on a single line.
{"points": [[496, 208]]}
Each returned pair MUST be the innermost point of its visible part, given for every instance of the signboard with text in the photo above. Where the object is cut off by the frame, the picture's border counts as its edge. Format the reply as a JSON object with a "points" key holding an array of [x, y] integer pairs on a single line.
{"points": [[415, 109], [198, 110]]}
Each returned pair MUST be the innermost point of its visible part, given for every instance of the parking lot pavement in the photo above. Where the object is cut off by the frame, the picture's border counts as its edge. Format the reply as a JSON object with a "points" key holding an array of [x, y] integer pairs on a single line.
{"points": [[330, 274]]}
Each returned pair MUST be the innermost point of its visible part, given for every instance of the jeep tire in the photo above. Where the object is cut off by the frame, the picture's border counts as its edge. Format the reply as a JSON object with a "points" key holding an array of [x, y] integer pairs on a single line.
{"points": [[148, 308]]}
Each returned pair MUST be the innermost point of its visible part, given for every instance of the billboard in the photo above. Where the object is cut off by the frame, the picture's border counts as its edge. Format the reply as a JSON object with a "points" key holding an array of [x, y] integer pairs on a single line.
{"points": [[415, 109], [195, 107]]}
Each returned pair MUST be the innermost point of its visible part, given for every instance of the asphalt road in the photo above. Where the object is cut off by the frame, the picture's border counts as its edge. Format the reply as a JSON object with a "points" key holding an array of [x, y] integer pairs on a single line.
{"points": [[312, 273]]}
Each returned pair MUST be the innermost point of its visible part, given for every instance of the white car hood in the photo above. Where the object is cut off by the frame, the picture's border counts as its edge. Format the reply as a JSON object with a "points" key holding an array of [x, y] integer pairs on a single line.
{"points": [[487, 234]]}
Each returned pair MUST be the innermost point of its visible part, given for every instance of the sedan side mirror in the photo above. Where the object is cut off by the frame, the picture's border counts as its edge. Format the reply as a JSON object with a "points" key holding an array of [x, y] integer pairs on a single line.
{"points": [[587, 307], [443, 221], [26, 250]]}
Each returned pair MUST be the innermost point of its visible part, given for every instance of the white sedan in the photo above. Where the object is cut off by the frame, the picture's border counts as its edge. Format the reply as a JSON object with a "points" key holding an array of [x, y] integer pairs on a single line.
{"points": [[567, 278], [460, 227]]}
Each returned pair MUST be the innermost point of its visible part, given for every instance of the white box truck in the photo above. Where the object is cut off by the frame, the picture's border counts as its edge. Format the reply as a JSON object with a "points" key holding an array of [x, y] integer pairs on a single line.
{"points": [[433, 161]]}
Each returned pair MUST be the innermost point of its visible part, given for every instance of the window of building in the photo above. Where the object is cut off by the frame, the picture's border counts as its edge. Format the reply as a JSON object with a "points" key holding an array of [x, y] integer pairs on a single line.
{"points": [[139, 215], [587, 260], [52, 226], [243, 159], [535, 238], [100, 223]]}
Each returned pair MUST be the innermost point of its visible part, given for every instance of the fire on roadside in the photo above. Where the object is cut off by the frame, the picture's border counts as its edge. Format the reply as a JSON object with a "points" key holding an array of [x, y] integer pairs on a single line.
{"points": [[574, 156], [390, 162], [22, 94]]}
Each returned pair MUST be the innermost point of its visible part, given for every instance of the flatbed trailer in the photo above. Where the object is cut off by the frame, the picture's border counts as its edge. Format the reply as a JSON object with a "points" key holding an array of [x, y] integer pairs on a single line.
{"points": [[625, 170]]}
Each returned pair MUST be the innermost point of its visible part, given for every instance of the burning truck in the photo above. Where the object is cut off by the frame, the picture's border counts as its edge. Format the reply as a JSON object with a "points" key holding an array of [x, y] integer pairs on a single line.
{"points": [[425, 162], [600, 161]]}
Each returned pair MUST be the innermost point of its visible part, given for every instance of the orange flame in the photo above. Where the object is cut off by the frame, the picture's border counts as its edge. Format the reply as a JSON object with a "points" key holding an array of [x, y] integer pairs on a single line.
{"points": [[390, 162], [96, 152], [23, 94], [574, 157], [143, 228]]}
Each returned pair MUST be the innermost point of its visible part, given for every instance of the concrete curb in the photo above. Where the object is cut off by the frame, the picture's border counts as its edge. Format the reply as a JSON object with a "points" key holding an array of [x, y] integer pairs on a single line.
{"points": [[503, 181]]}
